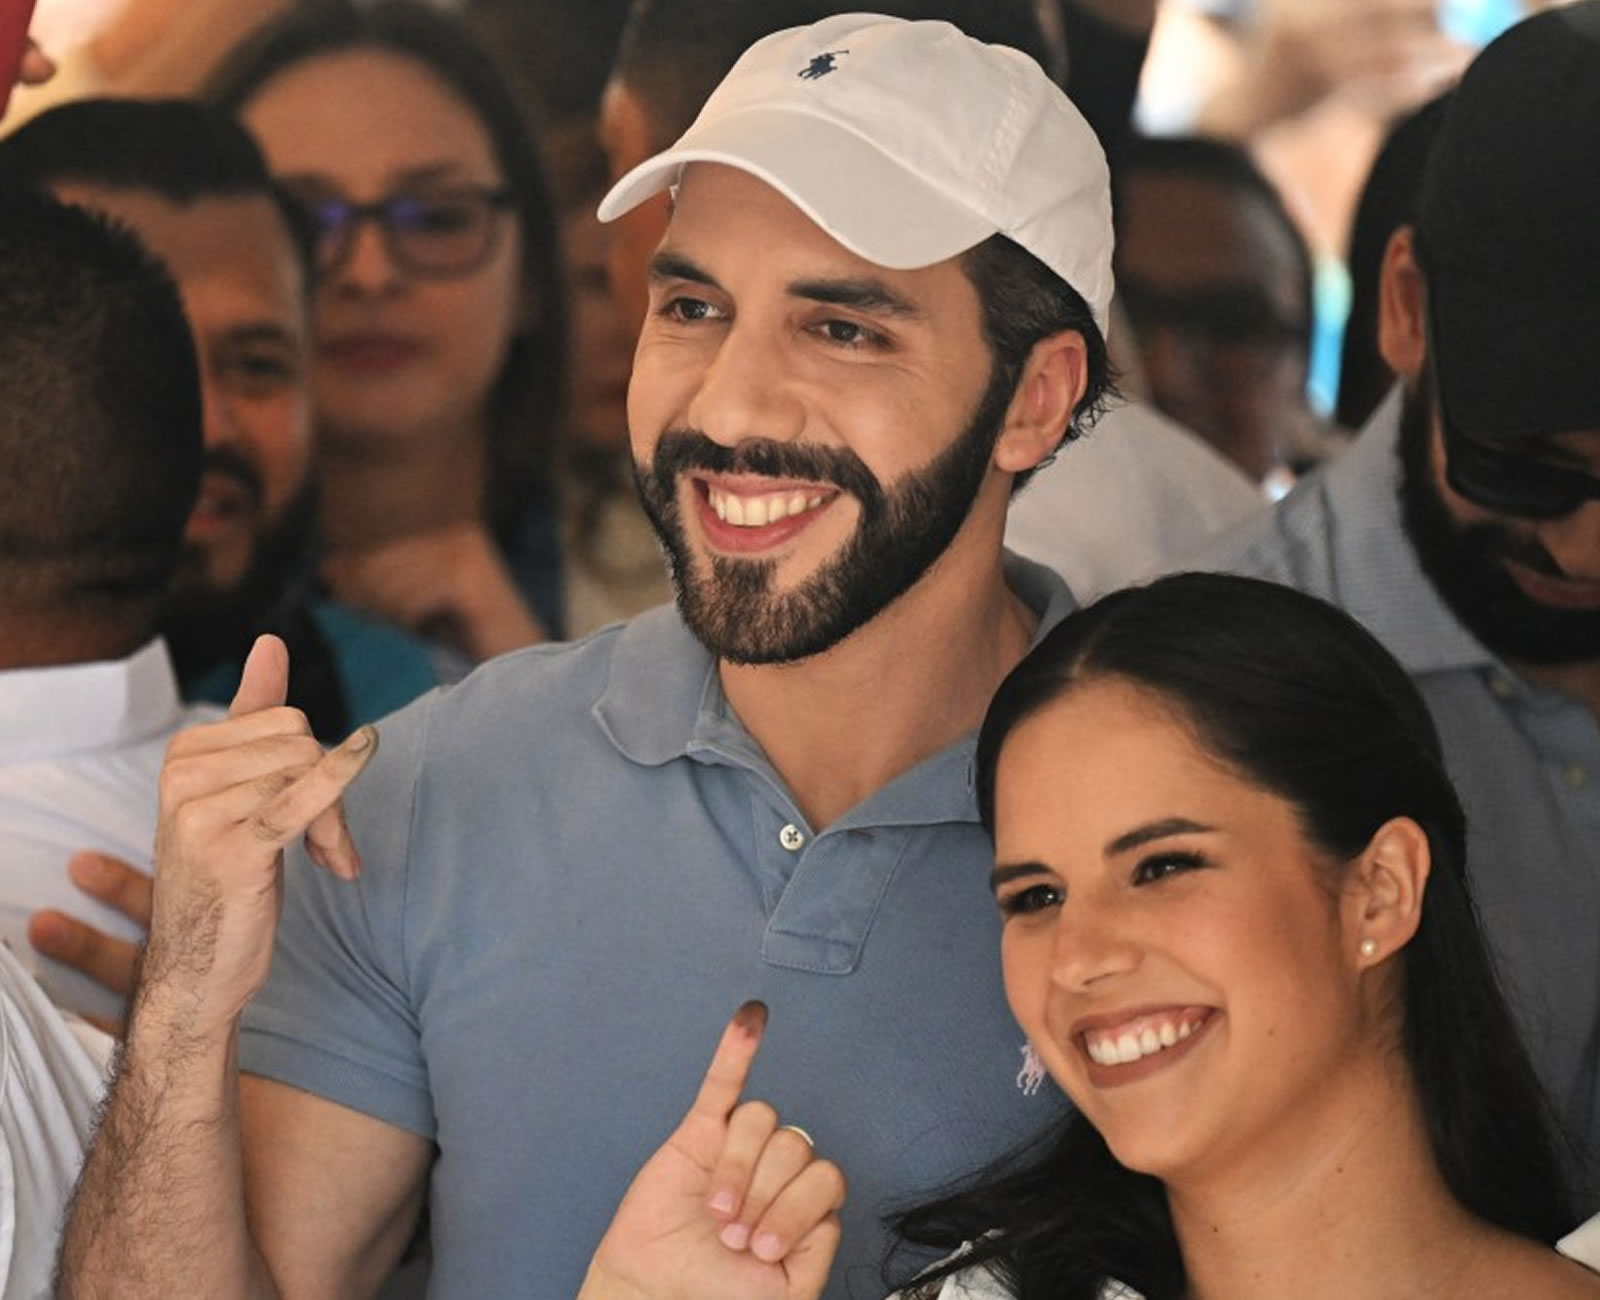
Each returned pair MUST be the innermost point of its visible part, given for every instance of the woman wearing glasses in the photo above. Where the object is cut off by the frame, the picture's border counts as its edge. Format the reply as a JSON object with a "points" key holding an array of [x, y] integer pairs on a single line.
{"points": [[440, 319], [1237, 932]]}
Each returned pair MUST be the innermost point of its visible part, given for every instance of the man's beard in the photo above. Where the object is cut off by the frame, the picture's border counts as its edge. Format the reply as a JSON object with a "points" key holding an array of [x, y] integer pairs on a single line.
{"points": [[206, 626], [902, 531], [1464, 561]]}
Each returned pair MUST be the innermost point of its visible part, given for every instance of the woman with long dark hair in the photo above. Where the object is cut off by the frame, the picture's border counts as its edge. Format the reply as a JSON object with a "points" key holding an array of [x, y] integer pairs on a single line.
{"points": [[1237, 932], [440, 321]]}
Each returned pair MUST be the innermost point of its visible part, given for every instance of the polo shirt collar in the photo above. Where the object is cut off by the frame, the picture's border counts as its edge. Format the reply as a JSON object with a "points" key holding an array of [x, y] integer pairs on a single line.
{"points": [[48, 713], [1380, 580], [664, 700]]}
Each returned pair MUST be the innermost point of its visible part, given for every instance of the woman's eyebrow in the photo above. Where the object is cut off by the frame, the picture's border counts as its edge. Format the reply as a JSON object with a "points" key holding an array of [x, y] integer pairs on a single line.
{"points": [[1157, 830], [1009, 871]]}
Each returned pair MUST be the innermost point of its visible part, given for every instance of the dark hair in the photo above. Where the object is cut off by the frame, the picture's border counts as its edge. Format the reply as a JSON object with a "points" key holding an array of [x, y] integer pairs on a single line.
{"points": [[1230, 166], [555, 56], [177, 149], [100, 424], [674, 52], [1295, 696], [1388, 201], [1024, 301], [529, 395]]}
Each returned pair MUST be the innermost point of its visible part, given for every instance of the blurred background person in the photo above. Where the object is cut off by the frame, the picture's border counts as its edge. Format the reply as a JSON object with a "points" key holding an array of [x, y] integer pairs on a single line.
{"points": [[1311, 86], [193, 186], [1216, 280], [556, 57], [1462, 525], [439, 330], [1388, 201]]}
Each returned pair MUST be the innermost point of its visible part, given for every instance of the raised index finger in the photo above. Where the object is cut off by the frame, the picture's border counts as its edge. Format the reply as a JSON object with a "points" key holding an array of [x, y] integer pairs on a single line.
{"points": [[730, 1064]]}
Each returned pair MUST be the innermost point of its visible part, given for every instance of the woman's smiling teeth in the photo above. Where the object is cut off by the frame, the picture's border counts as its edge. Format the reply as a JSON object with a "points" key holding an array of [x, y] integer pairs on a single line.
{"points": [[766, 508], [1126, 1045]]}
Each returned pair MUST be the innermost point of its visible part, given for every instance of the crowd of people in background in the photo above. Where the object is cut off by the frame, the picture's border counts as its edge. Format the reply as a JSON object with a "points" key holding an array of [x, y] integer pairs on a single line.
{"points": [[529, 524]]}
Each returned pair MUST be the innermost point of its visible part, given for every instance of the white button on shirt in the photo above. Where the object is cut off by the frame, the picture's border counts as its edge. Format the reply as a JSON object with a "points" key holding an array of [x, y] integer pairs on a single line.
{"points": [[792, 838], [80, 752]]}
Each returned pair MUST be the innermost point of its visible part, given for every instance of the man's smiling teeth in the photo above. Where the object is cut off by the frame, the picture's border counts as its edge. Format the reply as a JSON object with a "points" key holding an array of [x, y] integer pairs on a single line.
{"points": [[758, 511], [1133, 1045]]}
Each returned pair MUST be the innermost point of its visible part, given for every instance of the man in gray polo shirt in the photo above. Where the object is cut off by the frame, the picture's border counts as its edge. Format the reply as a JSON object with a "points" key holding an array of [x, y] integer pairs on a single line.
{"points": [[877, 306], [1463, 526]]}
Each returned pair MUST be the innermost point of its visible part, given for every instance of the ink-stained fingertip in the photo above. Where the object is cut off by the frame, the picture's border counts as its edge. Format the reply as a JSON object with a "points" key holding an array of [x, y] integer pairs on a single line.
{"points": [[751, 1017]]}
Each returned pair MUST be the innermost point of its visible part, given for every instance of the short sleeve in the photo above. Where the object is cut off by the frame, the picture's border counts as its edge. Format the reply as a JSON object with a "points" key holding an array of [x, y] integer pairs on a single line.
{"points": [[337, 1016]]}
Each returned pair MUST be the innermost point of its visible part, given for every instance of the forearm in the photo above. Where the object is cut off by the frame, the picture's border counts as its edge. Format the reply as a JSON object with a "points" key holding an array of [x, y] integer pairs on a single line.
{"points": [[159, 1210], [152, 47]]}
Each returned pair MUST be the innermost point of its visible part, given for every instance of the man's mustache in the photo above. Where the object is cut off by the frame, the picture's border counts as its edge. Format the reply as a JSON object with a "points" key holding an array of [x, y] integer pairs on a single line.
{"points": [[225, 460], [1498, 543], [681, 451]]}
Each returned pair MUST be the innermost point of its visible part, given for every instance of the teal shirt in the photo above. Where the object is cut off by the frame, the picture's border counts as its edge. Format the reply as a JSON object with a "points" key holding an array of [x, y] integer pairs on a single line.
{"points": [[381, 668]]}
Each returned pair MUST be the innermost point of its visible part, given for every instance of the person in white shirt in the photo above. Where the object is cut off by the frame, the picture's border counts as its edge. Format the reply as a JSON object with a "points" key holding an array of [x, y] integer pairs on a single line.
{"points": [[100, 433], [51, 1079]]}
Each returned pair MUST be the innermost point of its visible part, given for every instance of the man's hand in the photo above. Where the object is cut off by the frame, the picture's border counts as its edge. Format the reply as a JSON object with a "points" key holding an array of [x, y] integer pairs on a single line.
{"points": [[107, 960], [449, 585], [233, 794], [734, 1206]]}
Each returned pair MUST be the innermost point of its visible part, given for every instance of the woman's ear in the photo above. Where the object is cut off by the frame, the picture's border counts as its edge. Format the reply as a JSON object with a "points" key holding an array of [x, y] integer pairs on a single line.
{"points": [[1402, 308], [1053, 381], [1383, 895]]}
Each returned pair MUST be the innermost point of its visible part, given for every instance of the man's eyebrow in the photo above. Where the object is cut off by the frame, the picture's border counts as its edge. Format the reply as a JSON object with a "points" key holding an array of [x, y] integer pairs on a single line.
{"points": [[1008, 871], [260, 332], [863, 295], [1159, 830], [667, 265]]}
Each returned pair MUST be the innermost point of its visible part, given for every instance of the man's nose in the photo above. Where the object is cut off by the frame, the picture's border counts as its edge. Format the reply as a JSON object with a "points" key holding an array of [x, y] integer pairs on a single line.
{"points": [[745, 390], [220, 425]]}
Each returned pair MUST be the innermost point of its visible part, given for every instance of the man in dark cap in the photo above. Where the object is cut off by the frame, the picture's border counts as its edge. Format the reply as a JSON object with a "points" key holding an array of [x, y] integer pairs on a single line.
{"points": [[1464, 525]]}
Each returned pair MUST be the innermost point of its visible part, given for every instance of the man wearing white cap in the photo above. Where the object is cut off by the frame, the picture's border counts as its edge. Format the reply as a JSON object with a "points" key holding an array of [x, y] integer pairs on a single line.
{"points": [[879, 303]]}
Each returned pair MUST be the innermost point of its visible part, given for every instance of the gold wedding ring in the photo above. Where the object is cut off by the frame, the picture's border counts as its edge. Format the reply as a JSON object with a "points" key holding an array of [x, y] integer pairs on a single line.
{"points": [[795, 1128]]}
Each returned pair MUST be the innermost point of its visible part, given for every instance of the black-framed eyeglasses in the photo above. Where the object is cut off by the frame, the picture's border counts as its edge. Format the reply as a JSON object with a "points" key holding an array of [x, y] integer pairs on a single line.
{"points": [[437, 232], [1505, 481]]}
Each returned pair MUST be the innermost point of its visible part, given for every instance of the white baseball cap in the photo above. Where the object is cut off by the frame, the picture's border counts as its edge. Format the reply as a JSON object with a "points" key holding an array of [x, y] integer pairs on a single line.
{"points": [[909, 143]]}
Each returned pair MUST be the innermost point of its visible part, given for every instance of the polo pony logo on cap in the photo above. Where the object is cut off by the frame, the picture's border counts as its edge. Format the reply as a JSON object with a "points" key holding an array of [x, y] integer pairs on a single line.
{"points": [[821, 66]]}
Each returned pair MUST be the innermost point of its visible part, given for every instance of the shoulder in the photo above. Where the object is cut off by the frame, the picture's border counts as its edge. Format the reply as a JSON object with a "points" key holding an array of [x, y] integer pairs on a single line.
{"points": [[542, 704]]}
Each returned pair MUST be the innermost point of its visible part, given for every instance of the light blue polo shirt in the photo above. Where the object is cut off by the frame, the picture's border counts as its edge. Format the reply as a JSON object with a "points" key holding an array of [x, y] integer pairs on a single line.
{"points": [[577, 865], [1525, 759]]}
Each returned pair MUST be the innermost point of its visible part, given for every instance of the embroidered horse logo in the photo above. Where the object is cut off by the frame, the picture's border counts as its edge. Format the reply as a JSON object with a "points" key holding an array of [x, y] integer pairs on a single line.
{"points": [[821, 66]]}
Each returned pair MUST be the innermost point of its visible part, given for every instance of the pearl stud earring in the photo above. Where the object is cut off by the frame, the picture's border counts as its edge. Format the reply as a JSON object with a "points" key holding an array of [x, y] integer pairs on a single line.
{"points": [[1369, 947]]}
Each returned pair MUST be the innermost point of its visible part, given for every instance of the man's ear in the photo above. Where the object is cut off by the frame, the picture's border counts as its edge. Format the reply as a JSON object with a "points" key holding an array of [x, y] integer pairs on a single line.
{"points": [[1402, 308], [1054, 379], [1383, 893]]}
